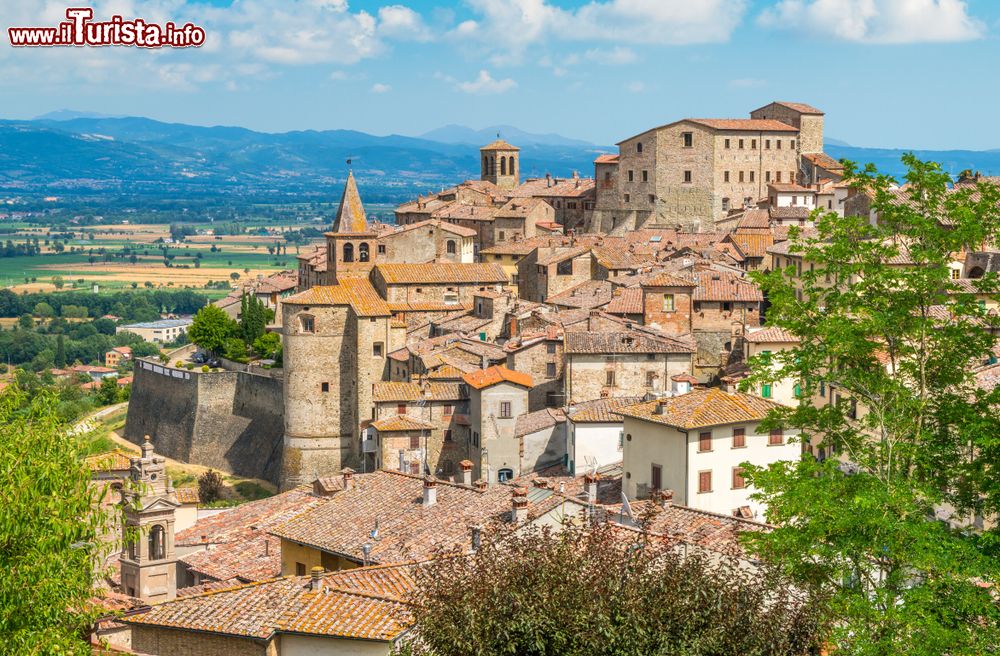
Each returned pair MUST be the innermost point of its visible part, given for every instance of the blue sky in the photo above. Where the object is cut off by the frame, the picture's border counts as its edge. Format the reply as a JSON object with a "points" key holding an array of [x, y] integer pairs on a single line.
{"points": [[893, 73]]}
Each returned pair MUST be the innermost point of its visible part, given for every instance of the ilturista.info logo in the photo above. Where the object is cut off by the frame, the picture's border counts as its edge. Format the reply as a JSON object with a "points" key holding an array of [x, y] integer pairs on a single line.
{"points": [[80, 29]]}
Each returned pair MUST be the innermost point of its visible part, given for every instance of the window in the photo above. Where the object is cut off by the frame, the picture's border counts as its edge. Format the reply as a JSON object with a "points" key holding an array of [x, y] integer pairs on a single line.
{"points": [[450, 247], [363, 253], [348, 252], [400, 408], [645, 175], [381, 249], [776, 437], [765, 390], [656, 477], [741, 176], [500, 236], [307, 324], [767, 176], [505, 475], [505, 409], [741, 144], [157, 543], [638, 147], [414, 441], [652, 199], [725, 204], [300, 569], [631, 176], [777, 176], [791, 177], [564, 268], [687, 176], [377, 349], [822, 388], [704, 482], [853, 412], [475, 439], [133, 550], [448, 436], [727, 306], [777, 144], [725, 176], [751, 176], [621, 440], [668, 303], [753, 144], [550, 347], [324, 387], [628, 198], [767, 144], [705, 441], [650, 378], [550, 369], [609, 378], [791, 144], [688, 139], [798, 390], [739, 438], [727, 143], [738, 482], [552, 399]]}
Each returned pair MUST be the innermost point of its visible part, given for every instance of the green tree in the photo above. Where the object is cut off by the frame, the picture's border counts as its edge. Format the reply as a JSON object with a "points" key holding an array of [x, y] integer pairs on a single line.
{"points": [[60, 359], [605, 590], [268, 345], [211, 329], [885, 331], [254, 317], [43, 311], [25, 322], [51, 523], [58, 282], [210, 486], [108, 392]]}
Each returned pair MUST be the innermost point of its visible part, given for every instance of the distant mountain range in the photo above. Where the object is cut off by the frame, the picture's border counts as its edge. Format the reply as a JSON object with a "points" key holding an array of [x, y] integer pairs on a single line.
{"points": [[69, 152]]}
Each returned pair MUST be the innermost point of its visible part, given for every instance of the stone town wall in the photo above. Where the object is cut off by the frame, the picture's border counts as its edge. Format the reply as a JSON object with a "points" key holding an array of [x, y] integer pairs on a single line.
{"points": [[232, 421]]}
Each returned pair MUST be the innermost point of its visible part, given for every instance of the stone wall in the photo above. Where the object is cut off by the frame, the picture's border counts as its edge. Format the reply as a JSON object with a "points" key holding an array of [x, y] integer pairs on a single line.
{"points": [[159, 640], [232, 421]]}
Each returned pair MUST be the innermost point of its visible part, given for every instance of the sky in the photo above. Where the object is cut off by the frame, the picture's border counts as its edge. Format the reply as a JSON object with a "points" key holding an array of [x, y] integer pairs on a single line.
{"points": [[888, 73]]}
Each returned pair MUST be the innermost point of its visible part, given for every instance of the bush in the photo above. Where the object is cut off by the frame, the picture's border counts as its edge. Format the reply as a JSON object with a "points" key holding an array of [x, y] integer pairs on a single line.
{"points": [[179, 364], [189, 366], [204, 368], [210, 486]]}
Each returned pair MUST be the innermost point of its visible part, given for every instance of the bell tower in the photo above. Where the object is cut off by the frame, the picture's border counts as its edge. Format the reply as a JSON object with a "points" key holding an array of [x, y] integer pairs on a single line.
{"points": [[351, 246], [148, 561], [500, 163]]}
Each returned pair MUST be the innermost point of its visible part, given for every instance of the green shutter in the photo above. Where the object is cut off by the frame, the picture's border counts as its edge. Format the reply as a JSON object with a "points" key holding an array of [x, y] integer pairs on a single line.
{"points": [[766, 391]]}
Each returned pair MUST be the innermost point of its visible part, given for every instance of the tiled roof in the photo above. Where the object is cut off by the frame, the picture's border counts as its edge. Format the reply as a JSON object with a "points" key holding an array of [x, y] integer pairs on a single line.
{"points": [[626, 301], [362, 604], [117, 460], [772, 334], [351, 213], [702, 408], [499, 144], [700, 527], [496, 374], [231, 525], [532, 422], [461, 211], [789, 187], [665, 279], [438, 272], [796, 212], [615, 257], [824, 161], [754, 218], [519, 208], [447, 372], [560, 254], [249, 555], [399, 391], [802, 108], [442, 225], [600, 411], [356, 292], [752, 244], [187, 495], [556, 187], [401, 423], [743, 124], [588, 294], [427, 306], [606, 159], [407, 529], [719, 286], [624, 342]]}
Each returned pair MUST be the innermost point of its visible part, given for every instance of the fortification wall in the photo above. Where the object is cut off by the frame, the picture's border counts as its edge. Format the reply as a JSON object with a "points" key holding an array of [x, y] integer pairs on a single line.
{"points": [[232, 421]]}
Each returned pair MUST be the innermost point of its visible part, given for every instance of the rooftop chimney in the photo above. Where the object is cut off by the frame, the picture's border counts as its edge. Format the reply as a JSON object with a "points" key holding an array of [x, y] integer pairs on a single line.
{"points": [[466, 467], [316, 583], [481, 484], [666, 498], [430, 491], [477, 537], [548, 179], [658, 408], [519, 511], [590, 486], [348, 475]]}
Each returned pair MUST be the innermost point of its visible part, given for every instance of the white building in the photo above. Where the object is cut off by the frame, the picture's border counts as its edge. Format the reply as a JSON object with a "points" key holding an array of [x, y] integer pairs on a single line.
{"points": [[594, 434], [771, 341], [161, 332], [695, 444]]}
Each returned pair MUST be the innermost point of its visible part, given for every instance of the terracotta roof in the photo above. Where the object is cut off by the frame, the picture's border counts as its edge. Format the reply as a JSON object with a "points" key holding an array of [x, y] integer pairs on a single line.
{"points": [[802, 108], [719, 286], [519, 208], [789, 187], [497, 374], [365, 603], [407, 529], [438, 272], [117, 460], [554, 187], [532, 422], [398, 391], [702, 408], [754, 218], [465, 212], [665, 279], [351, 213], [442, 225], [796, 212], [356, 292], [772, 334], [187, 495], [588, 294], [428, 306], [606, 159], [249, 555], [624, 342], [446, 372], [626, 301], [499, 144], [752, 244], [401, 423], [600, 411], [231, 525], [560, 254], [743, 124], [700, 527], [824, 161]]}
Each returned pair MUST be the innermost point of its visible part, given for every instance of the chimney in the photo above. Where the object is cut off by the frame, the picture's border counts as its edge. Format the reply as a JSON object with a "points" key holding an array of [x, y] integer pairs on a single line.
{"points": [[481, 484], [348, 475], [477, 537], [430, 491], [316, 583], [590, 486], [548, 179], [658, 408], [519, 511], [466, 467], [666, 498]]}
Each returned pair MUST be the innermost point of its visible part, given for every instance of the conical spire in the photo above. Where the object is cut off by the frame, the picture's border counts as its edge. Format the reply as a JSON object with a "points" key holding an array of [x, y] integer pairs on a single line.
{"points": [[351, 213]]}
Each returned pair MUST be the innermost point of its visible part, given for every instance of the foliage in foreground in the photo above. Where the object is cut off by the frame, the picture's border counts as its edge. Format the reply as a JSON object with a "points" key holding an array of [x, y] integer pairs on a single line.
{"points": [[885, 363], [50, 529], [605, 590]]}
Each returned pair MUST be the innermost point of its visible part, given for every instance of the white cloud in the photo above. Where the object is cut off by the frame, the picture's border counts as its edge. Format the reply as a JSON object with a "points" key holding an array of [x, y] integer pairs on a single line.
{"points": [[635, 86], [485, 84], [512, 25], [378, 87], [617, 56], [403, 24], [877, 21]]}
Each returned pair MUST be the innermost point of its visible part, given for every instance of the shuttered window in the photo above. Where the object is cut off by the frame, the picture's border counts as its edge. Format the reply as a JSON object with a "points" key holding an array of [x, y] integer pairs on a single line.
{"points": [[705, 481], [739, 438]]}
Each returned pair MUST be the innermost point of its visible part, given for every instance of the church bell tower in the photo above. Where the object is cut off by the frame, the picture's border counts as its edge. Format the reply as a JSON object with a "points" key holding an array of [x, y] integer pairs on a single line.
{"points": [[501, 164]]}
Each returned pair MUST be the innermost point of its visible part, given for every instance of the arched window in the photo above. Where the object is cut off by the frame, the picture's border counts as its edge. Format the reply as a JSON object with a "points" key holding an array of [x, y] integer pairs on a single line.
{"points": [[493, 165], [510, 165], [450, 246], [363, 252], [486, 165], [157, 543], [503, 165], [348, 252], [133, 550], [505, 475]]}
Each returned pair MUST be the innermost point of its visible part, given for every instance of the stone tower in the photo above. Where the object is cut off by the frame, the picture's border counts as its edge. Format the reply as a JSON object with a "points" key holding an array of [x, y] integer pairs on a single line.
{"points": [[805, 118], [351, 246], [501, 164], [148, 561]]}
